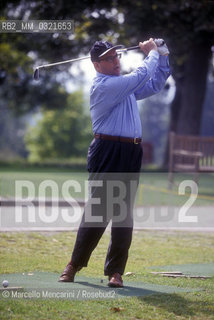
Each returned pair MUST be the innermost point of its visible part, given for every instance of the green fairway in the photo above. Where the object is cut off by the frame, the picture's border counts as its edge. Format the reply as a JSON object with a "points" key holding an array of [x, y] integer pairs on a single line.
{"points": [[33, 253], [153, 186]]}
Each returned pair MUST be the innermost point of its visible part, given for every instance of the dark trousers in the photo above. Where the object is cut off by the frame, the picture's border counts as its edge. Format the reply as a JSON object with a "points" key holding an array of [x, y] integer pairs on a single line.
{"points": [[109, 162]]}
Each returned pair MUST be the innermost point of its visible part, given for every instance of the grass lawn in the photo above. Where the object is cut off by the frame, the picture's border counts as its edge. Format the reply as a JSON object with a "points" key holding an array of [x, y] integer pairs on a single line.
{"points": [[29, 252], [152, 187]]}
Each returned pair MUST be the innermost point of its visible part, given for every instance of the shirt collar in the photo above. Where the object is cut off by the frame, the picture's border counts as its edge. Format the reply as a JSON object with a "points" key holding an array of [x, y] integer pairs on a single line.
{"points": [[104, 75], [101, 74]]}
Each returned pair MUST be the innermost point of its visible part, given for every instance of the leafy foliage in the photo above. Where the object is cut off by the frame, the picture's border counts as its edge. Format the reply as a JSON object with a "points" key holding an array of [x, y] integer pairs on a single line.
{"points": [[186, 25], [60, 133]]}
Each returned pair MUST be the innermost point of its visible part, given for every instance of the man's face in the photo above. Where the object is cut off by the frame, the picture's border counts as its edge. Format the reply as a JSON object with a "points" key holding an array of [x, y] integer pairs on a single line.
{"points": [[109, 64]]}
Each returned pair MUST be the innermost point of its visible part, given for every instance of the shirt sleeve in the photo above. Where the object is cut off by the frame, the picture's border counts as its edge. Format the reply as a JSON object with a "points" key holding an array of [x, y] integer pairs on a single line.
{"points": [[156, 82], [113, 89]]}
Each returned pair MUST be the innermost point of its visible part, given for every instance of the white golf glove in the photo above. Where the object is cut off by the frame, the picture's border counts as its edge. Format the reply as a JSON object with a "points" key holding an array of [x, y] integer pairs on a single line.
{"points": [[162, 47]]}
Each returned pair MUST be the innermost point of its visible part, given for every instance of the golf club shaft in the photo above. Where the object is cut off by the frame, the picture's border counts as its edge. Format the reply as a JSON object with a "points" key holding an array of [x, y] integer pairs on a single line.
{"points": [[128, 49], [36, 72], [62, 62], [83, 58]]}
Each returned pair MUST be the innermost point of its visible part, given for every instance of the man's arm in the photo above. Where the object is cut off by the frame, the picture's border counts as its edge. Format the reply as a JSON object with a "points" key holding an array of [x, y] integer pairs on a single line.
{"points": [[113, 89], [156, 82]]}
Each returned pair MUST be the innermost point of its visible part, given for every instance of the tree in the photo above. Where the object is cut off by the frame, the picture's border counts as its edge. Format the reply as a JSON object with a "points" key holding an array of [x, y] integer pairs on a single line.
{"points": [[60, 133], [11, 135], [186, 25]]}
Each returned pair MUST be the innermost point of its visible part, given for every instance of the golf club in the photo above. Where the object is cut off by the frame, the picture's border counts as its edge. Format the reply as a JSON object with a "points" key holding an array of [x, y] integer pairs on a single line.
{"points": [[159, 42]]}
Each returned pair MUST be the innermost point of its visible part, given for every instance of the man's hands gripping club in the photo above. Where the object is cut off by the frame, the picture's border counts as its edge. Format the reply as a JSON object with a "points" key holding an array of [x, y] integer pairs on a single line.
{"points": [[157, 44]]}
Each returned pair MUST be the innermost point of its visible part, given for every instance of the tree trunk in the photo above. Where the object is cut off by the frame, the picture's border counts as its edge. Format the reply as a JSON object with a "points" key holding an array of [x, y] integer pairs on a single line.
{"points": [[175, 106], [193, 90], [187, 106]]}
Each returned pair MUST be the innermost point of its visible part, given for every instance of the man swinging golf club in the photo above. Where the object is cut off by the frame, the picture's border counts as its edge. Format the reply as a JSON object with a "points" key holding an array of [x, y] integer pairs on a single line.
{"points": [[115, 151]]}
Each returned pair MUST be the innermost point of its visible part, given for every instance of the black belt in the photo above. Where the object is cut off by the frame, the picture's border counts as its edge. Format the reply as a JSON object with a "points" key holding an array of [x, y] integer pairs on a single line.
{"points": [[116, 138]]}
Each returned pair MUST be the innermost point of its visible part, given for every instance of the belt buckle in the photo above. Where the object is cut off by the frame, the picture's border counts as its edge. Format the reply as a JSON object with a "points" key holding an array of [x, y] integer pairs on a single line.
{"points": [[135, 141]]}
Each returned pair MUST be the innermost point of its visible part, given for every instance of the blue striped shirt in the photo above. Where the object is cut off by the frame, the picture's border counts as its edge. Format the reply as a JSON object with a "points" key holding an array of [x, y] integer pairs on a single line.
{"points": [[113, 104]]}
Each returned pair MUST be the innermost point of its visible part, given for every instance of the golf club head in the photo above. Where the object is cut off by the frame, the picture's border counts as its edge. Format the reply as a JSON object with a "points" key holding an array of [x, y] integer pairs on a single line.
{"points": [[36, 74]]}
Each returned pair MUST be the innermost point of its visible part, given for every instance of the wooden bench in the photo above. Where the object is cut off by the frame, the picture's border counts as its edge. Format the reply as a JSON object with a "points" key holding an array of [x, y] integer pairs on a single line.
{"points": [[190, 154]]}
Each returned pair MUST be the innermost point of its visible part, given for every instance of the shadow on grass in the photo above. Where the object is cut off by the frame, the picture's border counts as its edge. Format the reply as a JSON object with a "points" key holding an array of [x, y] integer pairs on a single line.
{"points": [[179, 306], [126, 291]]}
